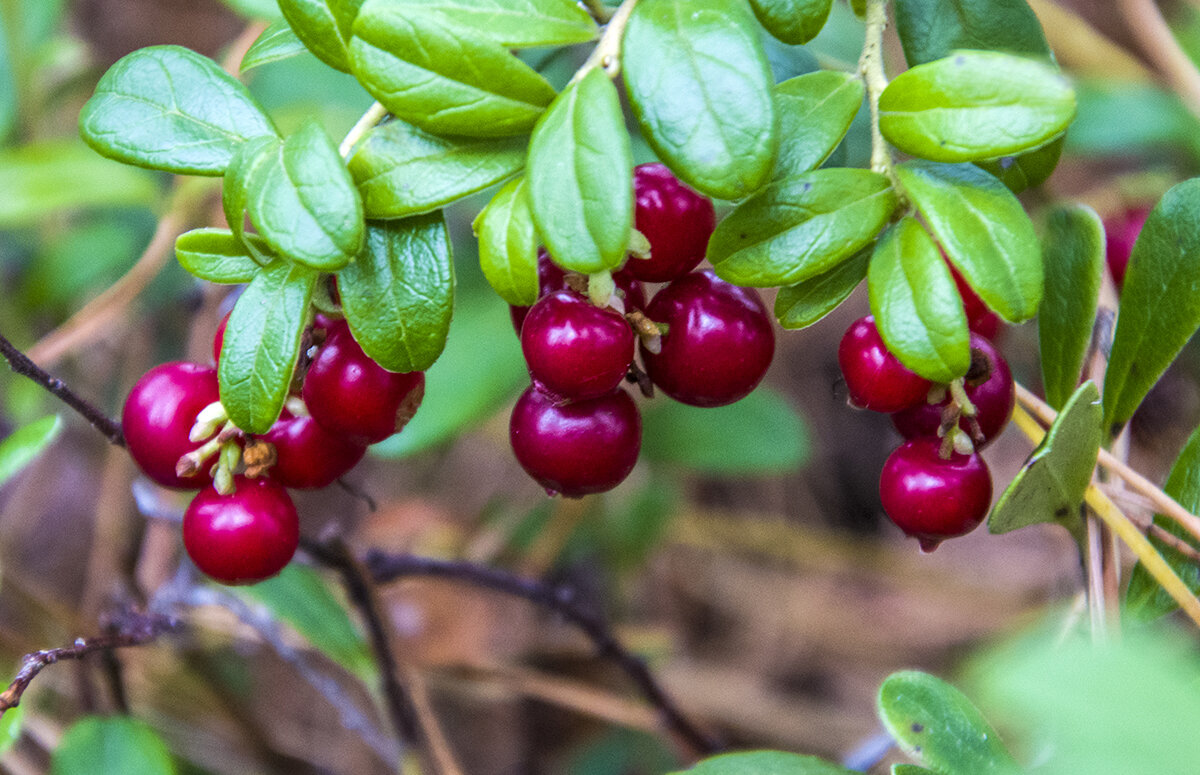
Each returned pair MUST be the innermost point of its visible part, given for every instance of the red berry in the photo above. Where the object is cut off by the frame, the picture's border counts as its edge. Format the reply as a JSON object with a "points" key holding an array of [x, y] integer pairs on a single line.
{"points": [[675, 219], [991, 391], [551, 278], [308, 456], [574, 348], [1121, 233], [244, 537], [158, 415], [875, 378], [932, 499], [349, 394], [219, 337], [980, 318], [577, 447], [719, 340]]}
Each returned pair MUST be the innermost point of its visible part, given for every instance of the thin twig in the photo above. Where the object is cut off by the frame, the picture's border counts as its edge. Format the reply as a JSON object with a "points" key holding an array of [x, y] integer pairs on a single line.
{"points": [[870, 67], [1145, 22], [435, 737]]}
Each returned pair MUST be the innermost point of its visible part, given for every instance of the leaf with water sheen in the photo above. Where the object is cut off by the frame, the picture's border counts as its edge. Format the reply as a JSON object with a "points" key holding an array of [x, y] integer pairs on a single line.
{"points": [[511, 23], [815, 111], [931, 29], [22, 446], [508, 245], [276, 42], [764, 763], [801, 305], [218, 256], [324, 27], [118, 744]]}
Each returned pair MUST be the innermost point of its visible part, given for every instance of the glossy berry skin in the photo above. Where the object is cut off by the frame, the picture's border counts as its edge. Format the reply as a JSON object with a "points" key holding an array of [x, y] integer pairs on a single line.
{"points": [[675, 219], [159, 412], [932, 499], [551, 278], [993, 398], [875, 378], [244, 537], [350, 395], [980, 318], [718, 344], [308, 456], [1121, 233], [578, 447], [574, 348]]}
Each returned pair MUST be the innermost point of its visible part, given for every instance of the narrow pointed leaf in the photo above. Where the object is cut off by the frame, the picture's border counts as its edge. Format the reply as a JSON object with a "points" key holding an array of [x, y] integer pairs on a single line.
{"points": [[276, 42], [815, 111], [508, 243], [931, 29], [792, 21], [801, 305], [324, 27], [218, 255], [96, 744], [22, 446], [511, 23], [1073, 247], [764, 763], [701, 89], [169, 108], [800, 227]]}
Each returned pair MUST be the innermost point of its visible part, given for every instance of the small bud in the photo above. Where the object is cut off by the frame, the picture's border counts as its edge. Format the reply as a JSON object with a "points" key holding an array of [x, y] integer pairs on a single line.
{"points": [[639, 246], [601, 288], [208, 420], [223, 480]]}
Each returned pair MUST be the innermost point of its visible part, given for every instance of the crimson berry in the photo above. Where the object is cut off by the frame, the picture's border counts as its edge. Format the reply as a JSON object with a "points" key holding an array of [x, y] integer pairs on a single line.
{"points": [[989, 385], [158, 415], [219, 337], [980, 318], [308, 456], [932, 499], [576, 447], [244, 537], [551, 278], [675, 219], [875, 378], [574, 348], [349, 394], [718, 344], [1121, 232]]}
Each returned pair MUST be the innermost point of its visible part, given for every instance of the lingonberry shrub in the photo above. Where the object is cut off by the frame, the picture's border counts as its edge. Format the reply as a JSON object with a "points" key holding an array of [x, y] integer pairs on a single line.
{"points": [[244, 536]]}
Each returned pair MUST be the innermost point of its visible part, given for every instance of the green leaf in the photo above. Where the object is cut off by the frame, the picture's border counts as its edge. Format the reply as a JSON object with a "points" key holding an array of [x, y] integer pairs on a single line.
{"points": [[255, 9], [792, 21], [801, 305], [975, 105], [169, 108], [262, 343], [399, 293], [324, 27], [235, 189], [1073, 248], [760, 435], [984, 232], [23, 445], [700, 86], [276, 42], [764, 763], [815, 111], [801, 226], [910, 769], [936, 723], [10, 728], [1101, 127], [1051, 484], [932, 29], [431, 73], [117, 744], [916, 304], [217, 255], [9, 87], [401, 170], [508, 244], [511, 23], [1160, 305], [1028, 169], [580, 174]]}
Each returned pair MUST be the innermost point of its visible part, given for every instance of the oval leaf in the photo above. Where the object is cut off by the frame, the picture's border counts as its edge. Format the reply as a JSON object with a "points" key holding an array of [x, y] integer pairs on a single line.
{"points": [[815, 111], [217, 255], [975, 105], [1160, 308], [118, 744], [800, 227], [801, 305], [580, 174], [399, 293], [700, 87], [1073, 247], [22, 446], [792, 21], [511, 23], [1028, 169], [916, 304], [323, 26], [235, 189], [276, 42], [984, 232], [401, 170], [932, 29], [169, 108], [508, 243], [764, 763]]}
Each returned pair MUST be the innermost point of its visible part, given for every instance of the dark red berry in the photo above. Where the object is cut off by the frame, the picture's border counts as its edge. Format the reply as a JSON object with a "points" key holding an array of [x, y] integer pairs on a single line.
{"points": [[675, 219], [307, 455], [574, 348], [219, 337], [576, 447], [158, 415], [351, 395], [980, 318], [875, 378], [1121, 232], [932, 499], [244, 537], [719, 340], [551, 278], [990, 387]]}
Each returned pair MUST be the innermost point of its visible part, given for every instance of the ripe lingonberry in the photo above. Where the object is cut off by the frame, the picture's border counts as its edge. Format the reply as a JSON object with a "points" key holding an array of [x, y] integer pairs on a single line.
{"points": [[244, 537], [989, 385], [158, 415], [932, 499], [307, 455], [551, 278], [349, 394], [574, 348], [980, 318], [875, 378], [576, 447], [1121, 232], [676, 220], [718, 343]]}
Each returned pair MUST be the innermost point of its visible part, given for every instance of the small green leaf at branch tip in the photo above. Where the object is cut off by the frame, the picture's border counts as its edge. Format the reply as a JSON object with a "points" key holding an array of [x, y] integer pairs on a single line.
{"points": [[815, 111], [22, 446], [218, 256], [764, 763], [277, 42], [508, 244], [801, 305], [96, 744]]}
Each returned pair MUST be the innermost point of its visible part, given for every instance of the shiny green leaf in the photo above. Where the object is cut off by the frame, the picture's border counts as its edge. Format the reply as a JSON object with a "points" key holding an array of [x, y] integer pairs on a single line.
{"points": [[116, 744], [399, 293], [932, 29], [1027, 169], [217, 255], [169, 108], [22, 446], [511, 23], [801, 226], [243, 172], [792, 21], [801, 305], [401, 170], [1073, 247], [324, 27], [701, 88], [508, 244], [815, 111], [276, 42], [916, 305], [764, 763], [580, 174]]}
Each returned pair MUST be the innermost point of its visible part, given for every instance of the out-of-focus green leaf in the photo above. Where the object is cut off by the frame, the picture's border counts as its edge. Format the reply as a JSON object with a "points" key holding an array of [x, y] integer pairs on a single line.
{"points": [[117, 744], [815, 112], [910, 769], [217, 255], [10, 728], [801, 305], [508, 243], [931, 29], [255, 9], [23, 445], [276, 42], [764, 763], [1102, 126], [9, 88]]}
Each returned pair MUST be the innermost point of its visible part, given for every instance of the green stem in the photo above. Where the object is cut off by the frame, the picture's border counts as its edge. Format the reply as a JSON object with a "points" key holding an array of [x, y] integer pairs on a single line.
{"points": [[373, 116], [599, 11], [607, 53], [870, 66]]}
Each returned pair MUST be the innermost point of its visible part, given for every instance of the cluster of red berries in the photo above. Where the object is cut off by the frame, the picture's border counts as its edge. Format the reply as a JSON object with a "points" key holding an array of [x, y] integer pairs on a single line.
{"points": [[703, 342], [934, 486], [242, 526]]}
